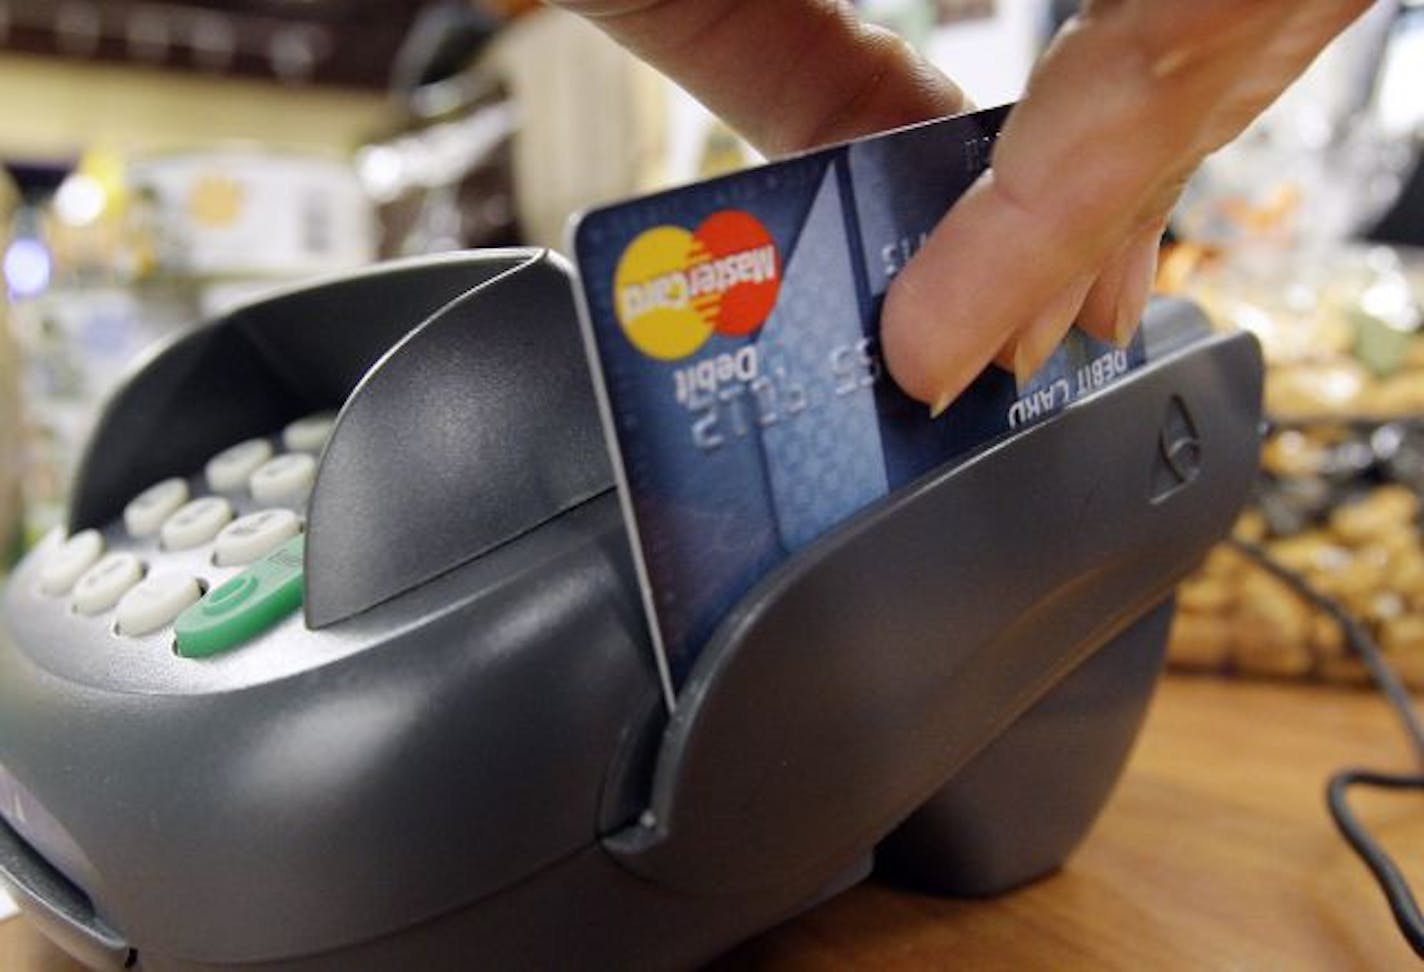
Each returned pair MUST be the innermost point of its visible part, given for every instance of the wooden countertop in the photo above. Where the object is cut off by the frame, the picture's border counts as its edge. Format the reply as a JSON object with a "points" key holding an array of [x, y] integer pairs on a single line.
{"points": [[1215, 851]]}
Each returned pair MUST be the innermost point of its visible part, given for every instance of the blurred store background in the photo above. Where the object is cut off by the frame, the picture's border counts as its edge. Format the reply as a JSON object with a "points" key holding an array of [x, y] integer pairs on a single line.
{"points": [[164, 159]]}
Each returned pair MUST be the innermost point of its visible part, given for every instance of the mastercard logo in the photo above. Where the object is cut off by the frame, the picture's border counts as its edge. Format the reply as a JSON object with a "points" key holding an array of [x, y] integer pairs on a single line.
{"points": [[674, 288]]}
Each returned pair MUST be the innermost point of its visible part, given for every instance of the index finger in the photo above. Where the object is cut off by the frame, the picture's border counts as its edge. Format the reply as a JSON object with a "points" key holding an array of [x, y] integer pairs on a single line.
{"points": [[1119, 112]]}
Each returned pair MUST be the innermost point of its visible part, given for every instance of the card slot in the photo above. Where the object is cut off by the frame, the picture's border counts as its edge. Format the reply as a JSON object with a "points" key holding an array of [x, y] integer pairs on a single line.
{"points": [[861, 674]]}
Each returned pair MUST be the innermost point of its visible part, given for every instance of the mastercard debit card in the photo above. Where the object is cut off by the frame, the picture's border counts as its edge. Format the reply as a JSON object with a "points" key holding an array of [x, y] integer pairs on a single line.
{"points": [[732, 326]]}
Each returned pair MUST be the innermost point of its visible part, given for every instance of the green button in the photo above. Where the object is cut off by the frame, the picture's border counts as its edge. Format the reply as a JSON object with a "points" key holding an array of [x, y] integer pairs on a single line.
{"points": [[244, 606]]}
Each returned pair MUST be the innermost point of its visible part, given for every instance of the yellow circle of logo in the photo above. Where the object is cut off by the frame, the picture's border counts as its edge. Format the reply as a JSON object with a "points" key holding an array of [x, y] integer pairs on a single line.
{"points": [[653, 296]]}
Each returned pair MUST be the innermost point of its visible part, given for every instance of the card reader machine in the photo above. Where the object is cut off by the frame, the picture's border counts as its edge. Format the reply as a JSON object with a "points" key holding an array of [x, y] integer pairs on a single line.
{"points": [[376, 691]]}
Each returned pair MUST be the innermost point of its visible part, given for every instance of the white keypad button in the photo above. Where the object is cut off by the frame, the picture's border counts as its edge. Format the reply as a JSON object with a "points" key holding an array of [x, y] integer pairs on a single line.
{"points": [[246, 539], [74, 557], [309, 434], [155, 602], [230, 469], [100, 587], [196, 523], [286, 478], [147, 511]]}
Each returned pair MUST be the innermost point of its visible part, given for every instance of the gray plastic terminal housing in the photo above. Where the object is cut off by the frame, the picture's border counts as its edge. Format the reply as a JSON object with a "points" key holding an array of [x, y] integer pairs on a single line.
{"points": [[459, 755]]}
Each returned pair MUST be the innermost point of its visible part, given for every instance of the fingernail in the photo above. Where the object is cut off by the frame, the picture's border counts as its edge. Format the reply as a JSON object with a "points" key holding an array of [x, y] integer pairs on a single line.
{"points": [[1039, 340], [1132, 300], [1028, 358], [940, 404], [1124, 328], [1025, 363]]}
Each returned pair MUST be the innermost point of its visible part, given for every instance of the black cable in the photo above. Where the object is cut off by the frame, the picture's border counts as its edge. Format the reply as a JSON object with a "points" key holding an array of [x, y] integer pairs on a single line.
{"points": [[1386, 873]]}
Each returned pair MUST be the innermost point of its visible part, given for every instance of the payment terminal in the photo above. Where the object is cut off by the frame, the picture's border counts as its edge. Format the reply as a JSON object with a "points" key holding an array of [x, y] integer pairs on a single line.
{"points": [[340, 661]]}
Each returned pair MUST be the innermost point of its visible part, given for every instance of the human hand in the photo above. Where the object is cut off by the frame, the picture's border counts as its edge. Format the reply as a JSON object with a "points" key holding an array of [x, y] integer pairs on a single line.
{"points": [[1119, 112]]}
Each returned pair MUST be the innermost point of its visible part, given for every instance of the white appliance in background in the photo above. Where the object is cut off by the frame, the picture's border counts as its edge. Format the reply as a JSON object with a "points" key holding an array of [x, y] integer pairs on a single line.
{"points": [[1397, 105], [987, 46]]}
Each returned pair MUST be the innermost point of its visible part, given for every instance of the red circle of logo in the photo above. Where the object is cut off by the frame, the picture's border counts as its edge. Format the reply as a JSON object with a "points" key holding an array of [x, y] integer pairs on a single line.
{"points": [[736, 277]]}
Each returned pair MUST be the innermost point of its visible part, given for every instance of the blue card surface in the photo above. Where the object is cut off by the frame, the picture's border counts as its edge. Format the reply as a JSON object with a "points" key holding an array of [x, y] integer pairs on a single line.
{"points": [[732, 327]]}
